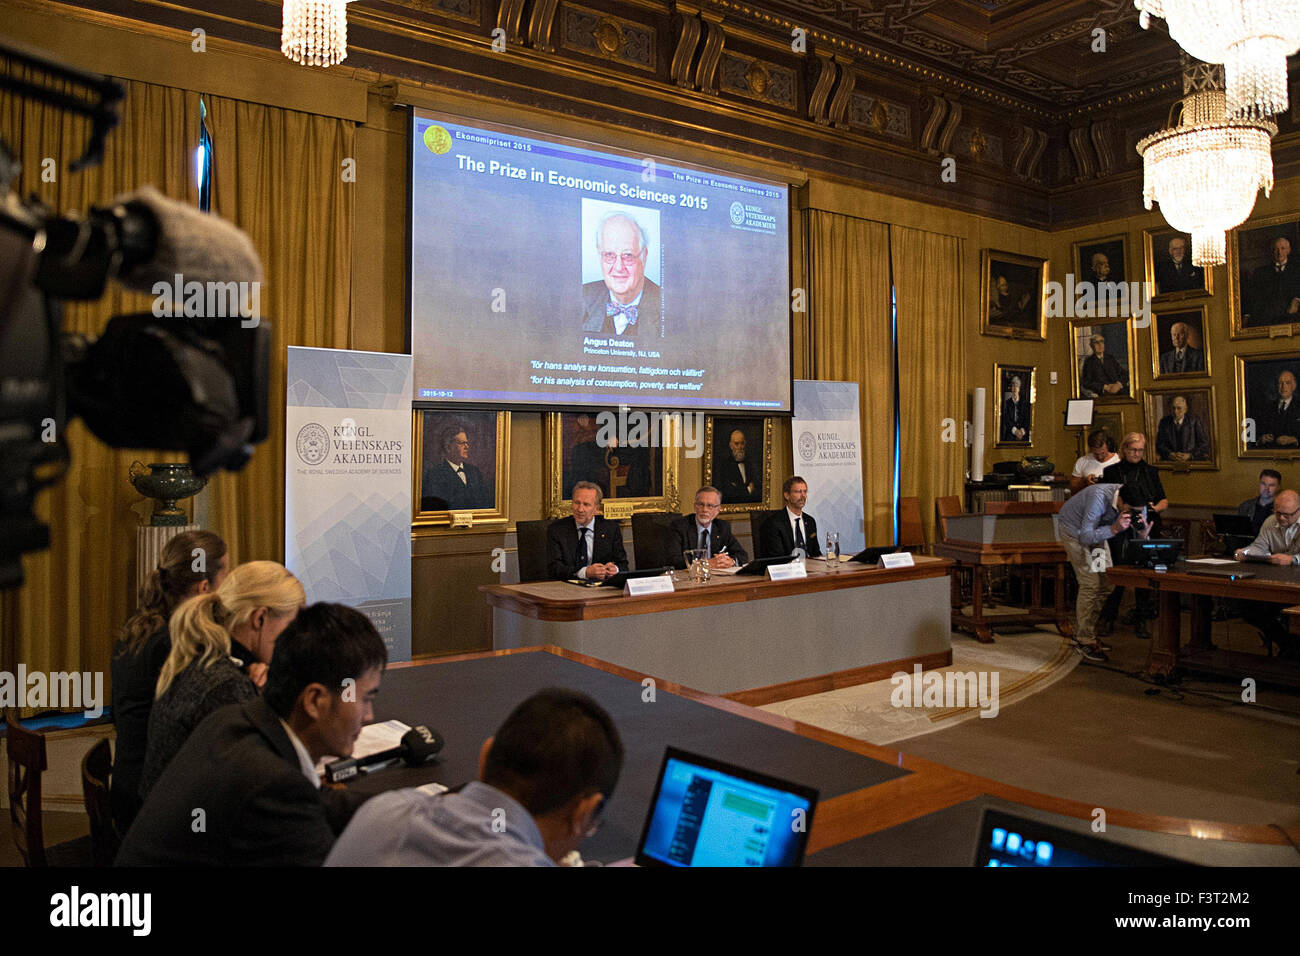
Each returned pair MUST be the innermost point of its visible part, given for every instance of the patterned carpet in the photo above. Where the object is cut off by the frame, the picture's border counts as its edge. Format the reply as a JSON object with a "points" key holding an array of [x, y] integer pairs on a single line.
{"points": [[1017, 665]]}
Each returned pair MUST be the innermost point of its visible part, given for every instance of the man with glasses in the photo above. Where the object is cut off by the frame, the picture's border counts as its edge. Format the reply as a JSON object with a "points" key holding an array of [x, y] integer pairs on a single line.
{"points": [[705, 530], [544, 779], [624, 302], [453, 484], [1278, 543]]}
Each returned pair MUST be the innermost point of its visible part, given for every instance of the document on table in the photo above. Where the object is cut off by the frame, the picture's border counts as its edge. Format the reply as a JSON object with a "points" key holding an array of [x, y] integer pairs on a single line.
{"points": [[372, 739], [1210, 561]]}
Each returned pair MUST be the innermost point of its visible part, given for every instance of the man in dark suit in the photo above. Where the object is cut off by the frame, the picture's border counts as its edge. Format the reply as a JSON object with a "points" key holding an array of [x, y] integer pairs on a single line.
{"points": [[1101, 376], [706, 530], [1259, 508], [243, 791], [1182, 357], [1273, 293], [452, 483], [1181, 435], [739, 479], [1278, 423], [1176, 273], [624, 302], [585, 546], [790, 528], [1015, 414]]}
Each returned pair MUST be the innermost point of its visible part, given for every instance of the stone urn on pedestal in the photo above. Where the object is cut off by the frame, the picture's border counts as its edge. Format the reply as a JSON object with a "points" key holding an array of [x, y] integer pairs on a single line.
{"points": [[167, 483]]}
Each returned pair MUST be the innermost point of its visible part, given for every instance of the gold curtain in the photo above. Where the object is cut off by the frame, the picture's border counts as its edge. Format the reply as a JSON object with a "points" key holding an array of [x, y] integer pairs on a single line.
{"points": [[849, 302], [931, 367], [279, 176]]}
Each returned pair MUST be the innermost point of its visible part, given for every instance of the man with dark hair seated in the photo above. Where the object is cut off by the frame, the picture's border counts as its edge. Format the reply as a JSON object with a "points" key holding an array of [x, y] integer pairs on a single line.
{"points": [[243, 790], [543, 781]]}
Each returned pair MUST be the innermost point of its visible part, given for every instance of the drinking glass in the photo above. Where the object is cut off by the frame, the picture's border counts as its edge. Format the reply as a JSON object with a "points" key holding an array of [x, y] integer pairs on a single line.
{"points": [[832, 550]]}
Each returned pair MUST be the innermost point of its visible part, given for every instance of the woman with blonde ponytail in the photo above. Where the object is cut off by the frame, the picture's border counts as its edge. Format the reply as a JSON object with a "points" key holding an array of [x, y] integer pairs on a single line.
{"points": [[213, 635], [192, 563]]}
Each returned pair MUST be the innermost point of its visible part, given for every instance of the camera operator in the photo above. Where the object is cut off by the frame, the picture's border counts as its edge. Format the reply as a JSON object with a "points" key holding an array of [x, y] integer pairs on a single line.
{"points": [[1132, 469], [1095, 515]]}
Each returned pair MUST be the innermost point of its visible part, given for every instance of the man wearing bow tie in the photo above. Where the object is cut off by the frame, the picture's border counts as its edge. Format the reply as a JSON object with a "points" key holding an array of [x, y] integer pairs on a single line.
{"points": [[452, 483], [585, 546], [624, 304]]}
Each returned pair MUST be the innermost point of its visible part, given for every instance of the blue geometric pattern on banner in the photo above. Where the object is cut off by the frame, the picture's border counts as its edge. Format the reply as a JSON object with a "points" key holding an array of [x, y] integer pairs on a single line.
{"points": [[328, 378]]}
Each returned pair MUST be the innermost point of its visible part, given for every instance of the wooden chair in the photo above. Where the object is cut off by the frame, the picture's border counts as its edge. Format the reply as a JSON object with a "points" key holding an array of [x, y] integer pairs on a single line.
{"points": [[651, 543], [756, 519], [26, 752], [945, 507], [27, 761], [911, 533], [530, 540], [96, 767]]}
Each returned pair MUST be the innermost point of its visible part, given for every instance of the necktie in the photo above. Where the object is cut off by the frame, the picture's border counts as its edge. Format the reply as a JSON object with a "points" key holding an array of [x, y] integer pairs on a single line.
{"points": [[704, 542], [460, 472], [582, 548], [799, 541]]}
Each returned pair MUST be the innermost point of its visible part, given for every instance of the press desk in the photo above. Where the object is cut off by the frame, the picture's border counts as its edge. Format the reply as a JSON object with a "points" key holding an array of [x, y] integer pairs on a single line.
{"points": [[750, 638], [1277, 585]]}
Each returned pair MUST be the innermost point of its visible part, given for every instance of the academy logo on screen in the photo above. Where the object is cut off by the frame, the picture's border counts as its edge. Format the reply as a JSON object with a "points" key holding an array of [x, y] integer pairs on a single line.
{"points": [[738, 213], [313, 444], [751, 217]]}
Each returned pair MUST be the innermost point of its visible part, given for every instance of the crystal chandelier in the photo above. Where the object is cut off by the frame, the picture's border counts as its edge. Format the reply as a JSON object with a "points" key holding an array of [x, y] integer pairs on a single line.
{"points": [[1206, 171], [315, 32], [1251, 38]]}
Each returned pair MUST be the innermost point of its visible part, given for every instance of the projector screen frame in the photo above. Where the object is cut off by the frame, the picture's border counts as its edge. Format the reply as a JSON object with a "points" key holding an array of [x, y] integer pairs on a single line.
{"points": [[457, 113]]}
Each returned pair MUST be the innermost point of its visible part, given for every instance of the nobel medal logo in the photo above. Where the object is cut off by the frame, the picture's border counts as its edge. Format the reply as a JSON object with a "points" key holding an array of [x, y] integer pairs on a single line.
{"points": [[437, 140], [313, 443], [738, 213], [807, 446]]}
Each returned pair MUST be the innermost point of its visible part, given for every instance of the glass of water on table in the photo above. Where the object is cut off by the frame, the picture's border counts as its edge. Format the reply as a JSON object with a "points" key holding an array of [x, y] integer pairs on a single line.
{"points": [[832, 550]]}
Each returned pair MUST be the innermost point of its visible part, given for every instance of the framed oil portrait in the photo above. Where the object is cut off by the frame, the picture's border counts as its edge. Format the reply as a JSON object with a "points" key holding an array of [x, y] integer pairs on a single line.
{"points": [[1102, 260], [739, 459], [1268, 409], [464, 458], [1013, 412], [1011, 295], [1103, 368], [1179, 347], [631, 454], [1183, 423], [1170, 275], [1264, 277]]}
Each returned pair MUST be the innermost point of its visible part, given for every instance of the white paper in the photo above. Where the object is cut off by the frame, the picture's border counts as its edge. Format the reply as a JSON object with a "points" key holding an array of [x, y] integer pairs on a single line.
{"points": [[372, 739], [431, 789], [659, 584], [1210, 561], [784, 572]]}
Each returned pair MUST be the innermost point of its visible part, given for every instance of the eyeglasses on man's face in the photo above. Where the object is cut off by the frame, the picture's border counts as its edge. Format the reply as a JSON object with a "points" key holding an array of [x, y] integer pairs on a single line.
{"points": [[628, 259]]}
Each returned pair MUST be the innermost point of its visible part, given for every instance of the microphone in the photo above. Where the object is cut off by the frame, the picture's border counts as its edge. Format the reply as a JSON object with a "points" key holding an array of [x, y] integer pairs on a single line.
{"points": [[419, 745], [198, 246], [142, 239]]}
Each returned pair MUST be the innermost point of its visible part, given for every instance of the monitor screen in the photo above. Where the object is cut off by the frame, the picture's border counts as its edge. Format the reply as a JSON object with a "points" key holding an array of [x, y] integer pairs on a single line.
{"points": [[1009, 840], [544, 271], [707, 813]]}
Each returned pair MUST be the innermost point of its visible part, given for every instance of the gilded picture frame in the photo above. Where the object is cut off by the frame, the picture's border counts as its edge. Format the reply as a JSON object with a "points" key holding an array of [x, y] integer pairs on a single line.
{"points": [[1009, 407], [718, 433], [484, 496], [1250, 263], [1197, 437], [1259, 389], [1196, 360], [1167, 280], [1012, 288], [1088, 379], [576, 449]]}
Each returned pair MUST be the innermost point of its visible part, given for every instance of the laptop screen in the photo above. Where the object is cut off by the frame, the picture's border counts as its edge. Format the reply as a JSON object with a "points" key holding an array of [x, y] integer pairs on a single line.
{"points": [[1009, 840], [708, 813]]}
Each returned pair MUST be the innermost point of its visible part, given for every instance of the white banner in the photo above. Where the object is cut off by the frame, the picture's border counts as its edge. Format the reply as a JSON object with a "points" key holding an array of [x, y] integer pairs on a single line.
{"points": [[347, 484], [828, 455]]}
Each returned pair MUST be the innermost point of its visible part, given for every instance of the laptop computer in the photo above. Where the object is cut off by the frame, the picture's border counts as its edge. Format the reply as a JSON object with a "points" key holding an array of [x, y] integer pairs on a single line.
{"points": [[759, 565], [1158, 554], [1233, 524], [1009, 840], [708, 813]]}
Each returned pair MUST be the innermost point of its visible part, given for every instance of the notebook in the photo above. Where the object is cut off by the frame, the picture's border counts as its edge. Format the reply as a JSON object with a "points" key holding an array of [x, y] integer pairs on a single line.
{"points": [[708, 813]]}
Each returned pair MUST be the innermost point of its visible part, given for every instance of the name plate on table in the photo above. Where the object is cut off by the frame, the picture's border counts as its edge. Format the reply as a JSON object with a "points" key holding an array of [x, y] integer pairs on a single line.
{"points": [[659, 584], [903, 559], [786, 572]]}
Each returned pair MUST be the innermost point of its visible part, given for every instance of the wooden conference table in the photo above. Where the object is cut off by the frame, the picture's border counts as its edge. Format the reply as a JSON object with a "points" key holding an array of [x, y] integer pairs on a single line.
{"points": [[877, 806], [1277, 585], [750, 638]]}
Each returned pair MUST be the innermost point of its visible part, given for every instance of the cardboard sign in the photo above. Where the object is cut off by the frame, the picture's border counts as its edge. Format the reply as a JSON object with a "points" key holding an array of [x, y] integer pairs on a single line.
{"points": [[659, 584]]}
